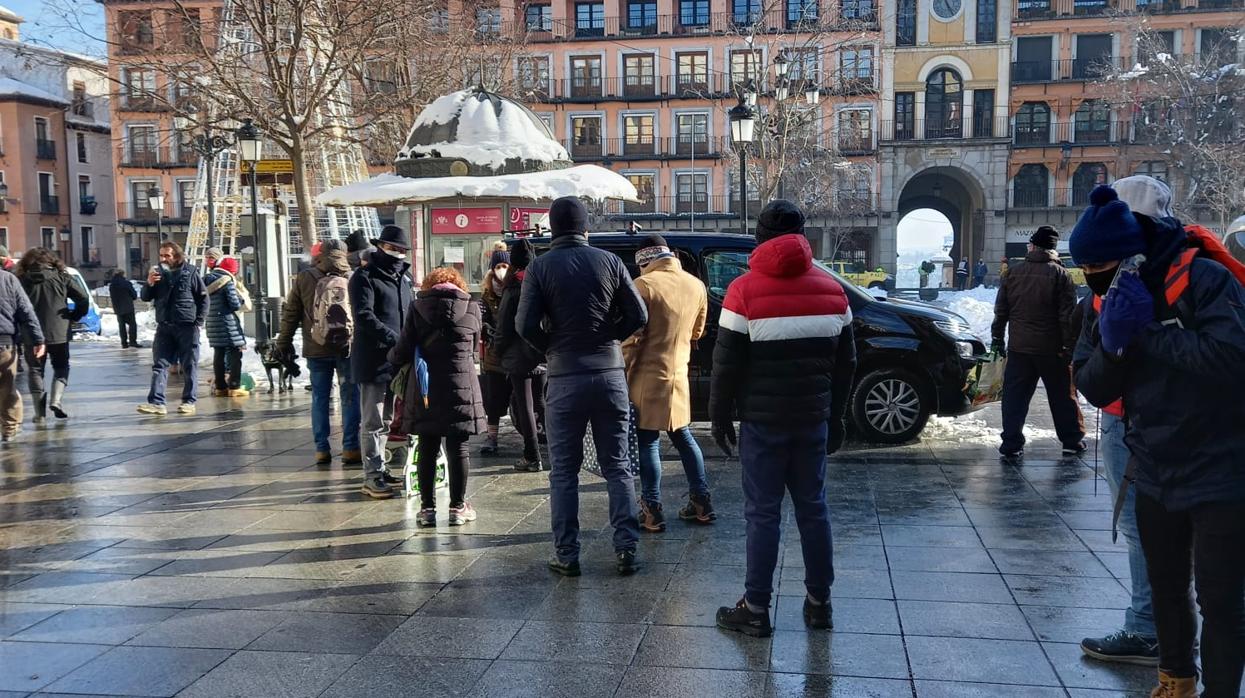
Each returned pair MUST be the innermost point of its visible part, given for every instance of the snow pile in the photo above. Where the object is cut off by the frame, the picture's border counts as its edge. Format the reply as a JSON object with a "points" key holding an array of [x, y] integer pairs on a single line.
{"points": [[486, 135], [976, 306], [976, 430], [584, 181], [1137, 71]]}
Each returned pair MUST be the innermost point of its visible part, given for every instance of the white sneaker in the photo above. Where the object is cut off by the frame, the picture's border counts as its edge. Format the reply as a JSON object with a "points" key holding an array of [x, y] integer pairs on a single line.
{"points": [[186, 408], [153, 409]]}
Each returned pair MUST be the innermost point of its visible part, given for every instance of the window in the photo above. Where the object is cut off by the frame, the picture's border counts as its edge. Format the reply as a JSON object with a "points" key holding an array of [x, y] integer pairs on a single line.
{"points": [[744, 67], [692, 71], [905, 115], [140, 88], [638, 134], [79, 105], [745, 12], [802, 12], [855, 190], [590, 19], [1031, 188], [142, 143], [1093, 122], [856, 67], [721, 268], [439, 21], [488, 21], [642, 15], [42, 133], [87, 240], [47, 186], [1217, 46], [533, 74], [1151, 44], [4, 237], [1090, 7], [987, 21], [1033, 59], [186, 196], [646, 189], [140, 205], [189, 26], [137, 31], [692, 133], [586, 136], [944, 104], [694, 13], [84, 188], [855, 130], [538, 18], [691, 192], [585, 76], [47, 238], [1093, 56], [754, 194], [184, 91], [639, 75], [547, 118], [905, 23], [1153, 168], [80, 141], [1033, 124], [1087, 176], [983, 113], [858, 10], [487, 71]]}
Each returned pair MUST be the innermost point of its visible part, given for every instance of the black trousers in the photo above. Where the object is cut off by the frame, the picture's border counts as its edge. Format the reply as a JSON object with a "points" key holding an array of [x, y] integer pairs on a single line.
{"points": [[540, 381], [128, 327], [1020, 380], [1204, 546], [523, 410], [496, 392], [456, 469], [59, 355], [227, 359]]}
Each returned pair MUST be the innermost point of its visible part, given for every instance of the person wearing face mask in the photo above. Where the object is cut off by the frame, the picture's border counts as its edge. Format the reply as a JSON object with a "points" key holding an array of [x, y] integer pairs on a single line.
{"points": [[380, 293], [1169, 342], [212, 257], [1034, 306], [493, 381]]}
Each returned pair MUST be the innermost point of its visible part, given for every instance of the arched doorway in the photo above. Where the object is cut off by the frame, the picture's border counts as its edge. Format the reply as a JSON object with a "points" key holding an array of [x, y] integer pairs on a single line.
{"points": [[955, 194], [921, 236]]}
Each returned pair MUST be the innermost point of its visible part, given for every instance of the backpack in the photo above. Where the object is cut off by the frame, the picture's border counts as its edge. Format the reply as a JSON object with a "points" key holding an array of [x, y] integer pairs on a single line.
{"points": [[244, 296], [331, 322], [1202, 242]]}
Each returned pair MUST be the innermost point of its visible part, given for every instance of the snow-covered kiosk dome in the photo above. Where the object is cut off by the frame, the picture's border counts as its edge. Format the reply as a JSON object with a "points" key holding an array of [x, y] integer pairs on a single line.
{"points": [[478, 133]]}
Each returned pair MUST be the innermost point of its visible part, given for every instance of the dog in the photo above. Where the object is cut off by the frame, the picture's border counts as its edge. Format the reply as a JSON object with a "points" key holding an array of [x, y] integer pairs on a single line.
{"points": [[284, 362]]}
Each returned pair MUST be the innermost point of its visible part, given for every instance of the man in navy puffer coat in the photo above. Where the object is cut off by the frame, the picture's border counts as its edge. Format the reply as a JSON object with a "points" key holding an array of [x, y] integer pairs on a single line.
{"points": [[180, 299]]}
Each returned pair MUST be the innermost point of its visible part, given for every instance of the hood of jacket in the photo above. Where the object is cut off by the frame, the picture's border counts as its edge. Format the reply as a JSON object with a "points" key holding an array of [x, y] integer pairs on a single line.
{"points": [[784, 256], [442, 305], [1042, 257], [333, 262], [1165, 240], [39, 275], [670, 263]]}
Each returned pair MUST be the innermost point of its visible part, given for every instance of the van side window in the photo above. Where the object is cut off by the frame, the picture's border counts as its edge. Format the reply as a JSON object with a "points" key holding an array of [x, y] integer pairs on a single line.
{"points": [[721, 268]]}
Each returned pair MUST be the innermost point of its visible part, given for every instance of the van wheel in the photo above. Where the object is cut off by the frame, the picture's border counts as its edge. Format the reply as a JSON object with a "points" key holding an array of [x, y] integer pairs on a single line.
{"points": [[889, 406]]}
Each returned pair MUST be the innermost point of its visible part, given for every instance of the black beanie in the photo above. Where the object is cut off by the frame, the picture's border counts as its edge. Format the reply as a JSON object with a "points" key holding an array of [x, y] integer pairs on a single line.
{"points": [[357, 241], [779, 217], [1046, 238], [567, 216], [653, 240], [521, 254]]}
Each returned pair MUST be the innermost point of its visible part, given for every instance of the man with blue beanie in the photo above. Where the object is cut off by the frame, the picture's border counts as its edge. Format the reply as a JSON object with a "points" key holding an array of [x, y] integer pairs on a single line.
{"points": [[1170, 342]]}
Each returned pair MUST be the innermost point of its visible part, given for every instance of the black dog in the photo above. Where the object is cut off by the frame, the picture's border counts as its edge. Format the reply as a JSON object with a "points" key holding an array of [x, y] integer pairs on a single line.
{"points": [[284, 362]]}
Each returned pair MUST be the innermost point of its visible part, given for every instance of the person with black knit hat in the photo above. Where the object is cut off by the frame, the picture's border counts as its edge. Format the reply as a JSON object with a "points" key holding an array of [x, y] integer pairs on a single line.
{"points": [[493, 380], [357, 246], [783, 364], [1033, 310], [519, 360], [578, 303]]}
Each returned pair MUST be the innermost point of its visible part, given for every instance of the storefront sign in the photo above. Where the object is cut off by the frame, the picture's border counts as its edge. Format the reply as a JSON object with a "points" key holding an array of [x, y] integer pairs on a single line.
{"points": [[466, 221], [525, 218]]}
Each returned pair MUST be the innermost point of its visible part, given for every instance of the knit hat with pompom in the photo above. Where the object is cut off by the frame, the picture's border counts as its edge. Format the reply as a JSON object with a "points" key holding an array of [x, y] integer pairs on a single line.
{"points": [[1107, 231]]}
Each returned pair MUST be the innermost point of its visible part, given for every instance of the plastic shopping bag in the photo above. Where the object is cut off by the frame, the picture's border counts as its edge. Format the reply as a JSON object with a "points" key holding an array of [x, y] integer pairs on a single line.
{"points": [[985, 383]]}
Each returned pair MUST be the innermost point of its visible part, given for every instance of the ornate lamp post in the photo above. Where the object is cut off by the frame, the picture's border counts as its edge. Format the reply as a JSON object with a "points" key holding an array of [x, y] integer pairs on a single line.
{"points": [[743, 122], [155, 199], [250, 147], [208, 145]]}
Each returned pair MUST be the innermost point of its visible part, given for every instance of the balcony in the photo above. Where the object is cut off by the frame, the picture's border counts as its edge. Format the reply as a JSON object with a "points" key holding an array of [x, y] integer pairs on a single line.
{"points": [[139, 212], [87, 205], [685, 24], [639, 88], [1055, 9], [45, 149], [935, 131], [50, 205], [1079, 69], [856, 144], [646, 148], [144, 157], [82, 108]]}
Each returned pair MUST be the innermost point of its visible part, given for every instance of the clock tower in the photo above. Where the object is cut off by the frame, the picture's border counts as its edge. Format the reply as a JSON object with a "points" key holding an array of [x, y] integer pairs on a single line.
{"points": [[944, 140]]}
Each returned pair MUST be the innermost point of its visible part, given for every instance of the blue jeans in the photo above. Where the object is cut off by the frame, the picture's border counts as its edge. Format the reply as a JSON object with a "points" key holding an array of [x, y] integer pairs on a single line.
{"points": [[791, 458], [650, 462], [573, 403], [174, 344], [322, 393], [1139, 618]]}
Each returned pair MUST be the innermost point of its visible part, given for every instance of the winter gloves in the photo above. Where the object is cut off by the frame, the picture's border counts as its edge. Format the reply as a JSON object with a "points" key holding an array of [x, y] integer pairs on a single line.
{"points": [[723, 431], [1126, 310], [998, 347]]}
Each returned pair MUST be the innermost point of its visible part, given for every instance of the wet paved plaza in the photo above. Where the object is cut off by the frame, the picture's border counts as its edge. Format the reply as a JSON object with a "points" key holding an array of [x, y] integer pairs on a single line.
{"points": [[208, 556]]}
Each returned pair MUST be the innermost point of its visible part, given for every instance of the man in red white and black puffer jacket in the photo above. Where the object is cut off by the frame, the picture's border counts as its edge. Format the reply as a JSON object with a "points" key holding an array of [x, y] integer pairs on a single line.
{"points": [[783, 364]]}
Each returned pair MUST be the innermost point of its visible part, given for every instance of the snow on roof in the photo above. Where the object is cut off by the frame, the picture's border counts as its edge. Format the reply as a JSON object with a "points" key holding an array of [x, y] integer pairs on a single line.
{"points": [[585, 181], [9, 15], [487, 134], [11, 87]]}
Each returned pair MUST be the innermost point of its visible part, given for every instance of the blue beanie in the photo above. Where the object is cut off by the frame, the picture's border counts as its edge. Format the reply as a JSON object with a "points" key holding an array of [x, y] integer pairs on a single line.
{"points": [[498, 257], [1107, 231], [567, 216]]}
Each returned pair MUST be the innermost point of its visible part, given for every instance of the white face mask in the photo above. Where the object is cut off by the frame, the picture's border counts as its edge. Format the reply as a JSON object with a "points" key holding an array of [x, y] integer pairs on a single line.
{"points": [[500, 273]]}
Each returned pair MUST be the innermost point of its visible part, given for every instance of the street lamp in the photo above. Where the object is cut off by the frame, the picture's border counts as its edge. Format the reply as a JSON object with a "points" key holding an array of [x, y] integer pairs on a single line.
{"points": [[155, 200], [250, 146], [743, 122], [208, 146], [750, 93], [812, 93]]}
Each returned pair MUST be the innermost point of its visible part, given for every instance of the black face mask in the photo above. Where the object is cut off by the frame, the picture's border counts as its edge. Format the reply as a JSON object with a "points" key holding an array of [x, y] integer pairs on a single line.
{"points": [[1100, 281]]}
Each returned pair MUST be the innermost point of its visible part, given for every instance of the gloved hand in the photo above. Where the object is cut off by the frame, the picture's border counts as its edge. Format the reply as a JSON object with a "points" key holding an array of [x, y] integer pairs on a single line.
{"points": [[724, 435], [1126, 310], [998, 347], [838, 432]]}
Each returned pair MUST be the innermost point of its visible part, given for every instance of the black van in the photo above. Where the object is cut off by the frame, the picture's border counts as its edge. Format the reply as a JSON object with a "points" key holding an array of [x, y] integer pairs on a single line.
{"points": [[913, 359]]}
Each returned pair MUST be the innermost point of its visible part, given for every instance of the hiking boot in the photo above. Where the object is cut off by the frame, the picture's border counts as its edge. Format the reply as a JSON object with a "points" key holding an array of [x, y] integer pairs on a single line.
{"points": [[818, 616], [187, 408], [462, 514], [741, 619], [1174, 687], [627, 563], [354, 457], [1123, 647], [323, 457], [529, 466], [566, 569], [426, 518], [375, 487], [651, 517], [1075, 449], [698, 509], [159, 410]]}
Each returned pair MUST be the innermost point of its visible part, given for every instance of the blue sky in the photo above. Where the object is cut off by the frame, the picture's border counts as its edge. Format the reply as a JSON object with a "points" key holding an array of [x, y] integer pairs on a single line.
{"points": [[46, 24]]}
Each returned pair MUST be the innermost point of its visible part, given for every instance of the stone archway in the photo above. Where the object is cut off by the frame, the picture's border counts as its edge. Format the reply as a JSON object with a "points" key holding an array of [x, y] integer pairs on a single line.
{"points": [[957, 195]]}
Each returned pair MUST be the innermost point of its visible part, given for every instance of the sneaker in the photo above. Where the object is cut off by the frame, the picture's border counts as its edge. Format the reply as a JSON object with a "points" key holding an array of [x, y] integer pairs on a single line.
{"points": [[427, 518], [627, 563], [323, 457], [38, 421], [149, 408], [698, 509], [187, 408], [742, 620], [391, 478], [529, 466], [1075, 449], [1123, 647], [566, 569], [651, 517], [237, 392], [354, 457], [375, 487], [818, 616], [1011, 453], [462, 514], [489, 449]]}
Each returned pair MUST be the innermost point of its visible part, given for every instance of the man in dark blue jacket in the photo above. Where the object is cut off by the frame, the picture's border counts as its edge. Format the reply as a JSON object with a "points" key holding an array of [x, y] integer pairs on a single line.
{"points": [[578, 303], [176, 291], [17, 316], [123, 295], [380, 293], [1178, 361]]}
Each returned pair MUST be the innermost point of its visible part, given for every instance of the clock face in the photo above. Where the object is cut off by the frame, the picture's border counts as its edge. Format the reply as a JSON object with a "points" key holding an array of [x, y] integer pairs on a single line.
{"points": [[946, 9]]}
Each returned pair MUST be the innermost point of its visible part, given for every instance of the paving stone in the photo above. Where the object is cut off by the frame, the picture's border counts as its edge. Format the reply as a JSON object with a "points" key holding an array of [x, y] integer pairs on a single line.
{"points": [[458, 638], [1080, 592], [947, 619], [610, 643], [343, 633], [980, 661], [702, 648], [141, 671], [29, 666], [210, 629], [954, 689], [877, 616], [679, 683], [15, 617], [512, 679], [275, 674], [839, 653], [1078, 671], [823, 686], [951, 586], [408, 677], [458, 600], [103, 625]]}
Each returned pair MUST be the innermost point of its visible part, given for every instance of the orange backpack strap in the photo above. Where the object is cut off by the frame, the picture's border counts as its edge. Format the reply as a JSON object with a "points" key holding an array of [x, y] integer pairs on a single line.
{"points": [[1178, 276]]}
